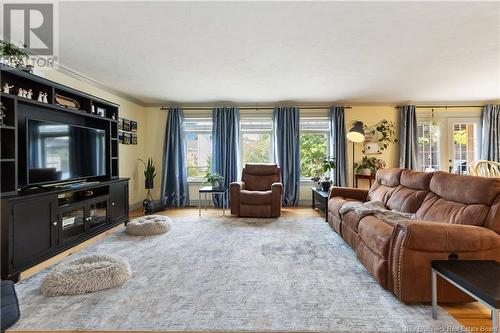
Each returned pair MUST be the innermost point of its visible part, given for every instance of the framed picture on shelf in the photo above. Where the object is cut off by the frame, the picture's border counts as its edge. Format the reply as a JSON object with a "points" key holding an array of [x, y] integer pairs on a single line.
{"points": [[100, 111], [133, 126]]}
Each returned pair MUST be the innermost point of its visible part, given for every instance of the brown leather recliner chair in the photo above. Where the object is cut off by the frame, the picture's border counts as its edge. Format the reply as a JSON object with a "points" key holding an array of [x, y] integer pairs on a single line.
{"points": [[455, 217], [259, 193]]}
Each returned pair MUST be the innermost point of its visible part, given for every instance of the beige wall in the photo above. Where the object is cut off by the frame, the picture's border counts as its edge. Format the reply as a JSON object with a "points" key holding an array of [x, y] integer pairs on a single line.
{"points": [[370, 115], [129, 154]]}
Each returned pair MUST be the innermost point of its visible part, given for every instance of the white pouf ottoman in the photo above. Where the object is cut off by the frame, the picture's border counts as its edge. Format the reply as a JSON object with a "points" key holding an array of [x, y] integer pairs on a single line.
{"points": [[86, 274], [148, 225]]}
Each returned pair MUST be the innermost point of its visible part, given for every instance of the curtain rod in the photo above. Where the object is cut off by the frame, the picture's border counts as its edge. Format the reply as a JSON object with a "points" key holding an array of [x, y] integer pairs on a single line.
{"points": [[443, 106], [254, 107]]}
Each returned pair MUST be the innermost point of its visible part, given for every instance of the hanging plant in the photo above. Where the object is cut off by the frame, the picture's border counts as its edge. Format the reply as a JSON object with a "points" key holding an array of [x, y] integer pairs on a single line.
{"points": [[385, 131], [11, 54]]}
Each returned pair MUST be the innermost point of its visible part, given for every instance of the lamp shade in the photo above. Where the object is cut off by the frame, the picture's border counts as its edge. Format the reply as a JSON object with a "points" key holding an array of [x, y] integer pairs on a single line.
{"points": [[356, 133]]}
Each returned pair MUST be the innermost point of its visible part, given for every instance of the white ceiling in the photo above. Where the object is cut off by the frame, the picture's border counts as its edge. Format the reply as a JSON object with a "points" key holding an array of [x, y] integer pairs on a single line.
{"points": [[251, 52]]}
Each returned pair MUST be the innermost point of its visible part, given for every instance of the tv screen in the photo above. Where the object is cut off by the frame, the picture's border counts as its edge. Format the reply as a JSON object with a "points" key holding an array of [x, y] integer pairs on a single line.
{"points": [[59, 152]]}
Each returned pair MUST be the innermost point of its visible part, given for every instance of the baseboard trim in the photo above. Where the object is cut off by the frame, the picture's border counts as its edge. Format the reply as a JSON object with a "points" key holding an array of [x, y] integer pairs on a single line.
{"points": [[135, 206]]}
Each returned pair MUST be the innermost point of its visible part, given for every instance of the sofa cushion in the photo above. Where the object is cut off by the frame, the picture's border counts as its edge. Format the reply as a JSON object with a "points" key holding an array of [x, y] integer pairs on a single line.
{"points": [[261, 169], [335, 203], [256, 197], [259, 182], [465, 189], [351, 220], [376, 234], [437, 209], [386, 181]]}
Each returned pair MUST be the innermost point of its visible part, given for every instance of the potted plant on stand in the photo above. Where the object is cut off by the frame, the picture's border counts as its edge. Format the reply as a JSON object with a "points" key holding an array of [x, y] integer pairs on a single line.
{"points": [[328, 165], [213, 178], [369, 165], [149, 176]]}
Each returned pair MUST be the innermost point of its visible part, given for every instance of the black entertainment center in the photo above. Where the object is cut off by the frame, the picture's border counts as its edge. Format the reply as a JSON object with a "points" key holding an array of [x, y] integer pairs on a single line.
{"points": [[59, 181]]}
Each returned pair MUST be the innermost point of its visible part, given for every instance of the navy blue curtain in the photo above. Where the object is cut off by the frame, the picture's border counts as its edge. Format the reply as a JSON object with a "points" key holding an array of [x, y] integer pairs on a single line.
{"points": [[226, 145], [287, 151], [490, 150], [407, 137], [338, 145], [174, 176]]}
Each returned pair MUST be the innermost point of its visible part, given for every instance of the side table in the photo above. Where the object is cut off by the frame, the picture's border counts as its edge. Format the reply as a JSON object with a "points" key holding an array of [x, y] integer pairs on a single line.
{"points": [[212, 190]]}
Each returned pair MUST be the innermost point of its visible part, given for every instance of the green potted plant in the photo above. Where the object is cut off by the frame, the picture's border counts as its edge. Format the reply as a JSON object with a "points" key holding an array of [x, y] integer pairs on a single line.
{"points": [[149, 173], [369, 165], [328, 164], [11, 55], [213, 178]]}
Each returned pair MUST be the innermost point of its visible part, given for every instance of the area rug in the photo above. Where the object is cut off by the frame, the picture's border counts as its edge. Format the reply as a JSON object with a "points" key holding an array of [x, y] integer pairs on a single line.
{"points": [[286, 274]]}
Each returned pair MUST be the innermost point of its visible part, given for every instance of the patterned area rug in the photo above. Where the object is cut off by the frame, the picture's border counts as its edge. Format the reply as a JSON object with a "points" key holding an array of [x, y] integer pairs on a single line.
{"points": [[292, 274]]}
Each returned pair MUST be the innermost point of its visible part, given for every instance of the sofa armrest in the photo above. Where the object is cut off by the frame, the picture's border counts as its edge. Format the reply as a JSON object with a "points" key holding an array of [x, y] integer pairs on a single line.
{"points": [[234, 194], [277, 193], [348, 192], [415, 244], [446, 237]]}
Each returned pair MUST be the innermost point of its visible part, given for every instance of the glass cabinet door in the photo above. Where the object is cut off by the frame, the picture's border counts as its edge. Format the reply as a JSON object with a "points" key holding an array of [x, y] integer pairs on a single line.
{"points": [[98, 214], [72, 223]]}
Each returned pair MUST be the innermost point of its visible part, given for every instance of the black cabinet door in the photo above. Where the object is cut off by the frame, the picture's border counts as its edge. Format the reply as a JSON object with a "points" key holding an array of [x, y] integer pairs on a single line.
{"points": [[34, 230], [118, 194]]}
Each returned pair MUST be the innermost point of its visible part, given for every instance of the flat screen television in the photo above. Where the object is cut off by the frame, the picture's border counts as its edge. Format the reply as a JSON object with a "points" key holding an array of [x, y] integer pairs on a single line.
{"points": [[60, 152]]}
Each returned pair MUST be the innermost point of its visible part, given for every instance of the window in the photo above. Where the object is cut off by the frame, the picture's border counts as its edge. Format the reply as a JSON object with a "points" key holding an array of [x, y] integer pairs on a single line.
{"points": [[198, 146], [427, 145], [463, 145], [256, 136], [314, 142], [447, 143]]}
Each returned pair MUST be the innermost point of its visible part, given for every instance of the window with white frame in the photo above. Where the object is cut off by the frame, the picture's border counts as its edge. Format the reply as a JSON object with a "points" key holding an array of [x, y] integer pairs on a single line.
{"points": [[314, 145], [448, 140], [428, 145], [198, 143], [256, 137]]}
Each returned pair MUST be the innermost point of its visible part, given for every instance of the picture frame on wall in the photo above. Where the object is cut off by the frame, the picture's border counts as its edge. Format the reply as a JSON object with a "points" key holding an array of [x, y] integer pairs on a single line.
{"points": [[120, 137], [133, 126], [126, 138], [126, 125], [120, 123], [371, 145], [133, 139]]}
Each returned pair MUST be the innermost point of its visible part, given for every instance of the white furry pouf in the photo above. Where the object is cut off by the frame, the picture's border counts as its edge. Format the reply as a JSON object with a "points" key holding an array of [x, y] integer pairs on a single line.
{"points": [[148, 225], [86, 274]]}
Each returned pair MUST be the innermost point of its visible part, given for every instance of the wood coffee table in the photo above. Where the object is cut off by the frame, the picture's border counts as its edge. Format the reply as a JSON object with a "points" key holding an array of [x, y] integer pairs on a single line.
{"points": [[479, 279]]}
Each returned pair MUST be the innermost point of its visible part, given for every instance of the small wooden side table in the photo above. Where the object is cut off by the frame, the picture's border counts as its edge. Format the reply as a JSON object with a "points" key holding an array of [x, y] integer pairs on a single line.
{"points": [[320, 201], [369, 177]]}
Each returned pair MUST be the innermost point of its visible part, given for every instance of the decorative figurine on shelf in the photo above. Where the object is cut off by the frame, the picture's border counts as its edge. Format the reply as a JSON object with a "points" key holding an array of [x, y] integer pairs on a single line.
{"points": [[20, 92], [2, 113], [25, 93], [44, 98], [40, 97], [6, 88], [29, 94]]}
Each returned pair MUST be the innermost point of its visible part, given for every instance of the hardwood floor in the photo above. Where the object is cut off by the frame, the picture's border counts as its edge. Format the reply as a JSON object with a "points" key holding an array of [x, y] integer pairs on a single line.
{"points": [[473, 316]]}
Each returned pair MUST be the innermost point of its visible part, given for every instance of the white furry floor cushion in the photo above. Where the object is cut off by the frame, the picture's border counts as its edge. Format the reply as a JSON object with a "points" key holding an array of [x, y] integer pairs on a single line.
{"points": [[86, 274], [148, 225]]}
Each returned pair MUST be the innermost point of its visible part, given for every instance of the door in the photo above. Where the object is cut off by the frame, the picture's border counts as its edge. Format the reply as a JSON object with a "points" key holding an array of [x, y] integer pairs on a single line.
{"points": [[463, 144], [118, 194], [34, 230], [98, 213], [72, 222]]}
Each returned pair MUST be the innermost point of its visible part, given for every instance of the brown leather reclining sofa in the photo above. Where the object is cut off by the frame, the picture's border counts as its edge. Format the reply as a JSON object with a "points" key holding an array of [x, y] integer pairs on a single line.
{"points": [[259, 193], [456, 217]]}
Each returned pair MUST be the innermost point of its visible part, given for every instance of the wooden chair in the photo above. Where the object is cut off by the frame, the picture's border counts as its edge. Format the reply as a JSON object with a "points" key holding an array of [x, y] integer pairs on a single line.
{"points": [[490, 169]]}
